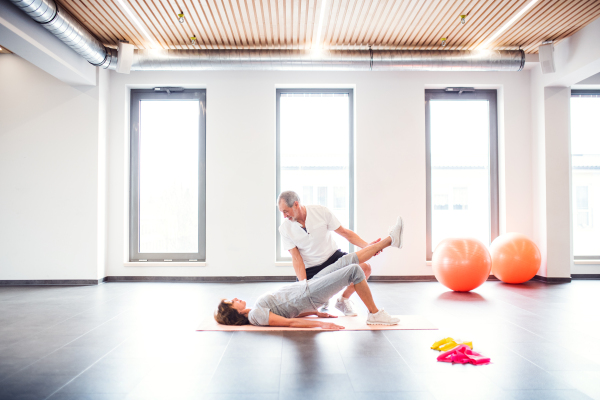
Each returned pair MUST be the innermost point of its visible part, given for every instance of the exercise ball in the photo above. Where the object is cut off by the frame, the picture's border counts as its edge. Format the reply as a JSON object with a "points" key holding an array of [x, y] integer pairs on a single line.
{"points": [[461, 264], [515, 258]]}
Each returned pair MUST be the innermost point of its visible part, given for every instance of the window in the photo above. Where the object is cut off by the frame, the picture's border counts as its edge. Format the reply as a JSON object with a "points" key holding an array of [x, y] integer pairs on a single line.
{"points": [[585, 177], [315, 149], [167, 182], [462, 164]]}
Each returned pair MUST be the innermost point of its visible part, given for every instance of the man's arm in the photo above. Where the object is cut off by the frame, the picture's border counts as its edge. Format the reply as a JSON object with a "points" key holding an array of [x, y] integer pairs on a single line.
{"points": [[298, 264], [351, 237], [354, 238], [277, 320]]}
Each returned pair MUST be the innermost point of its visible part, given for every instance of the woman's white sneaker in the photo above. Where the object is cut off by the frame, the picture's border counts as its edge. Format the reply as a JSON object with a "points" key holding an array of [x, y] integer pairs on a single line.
{"points": [[396, 233], [382, 318], [345, 306]]}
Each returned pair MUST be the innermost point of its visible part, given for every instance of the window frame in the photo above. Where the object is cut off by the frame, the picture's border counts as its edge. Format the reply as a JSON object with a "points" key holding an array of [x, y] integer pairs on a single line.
{"points": [[350, 93], [479, 94], [136, 96], [582, 93]]}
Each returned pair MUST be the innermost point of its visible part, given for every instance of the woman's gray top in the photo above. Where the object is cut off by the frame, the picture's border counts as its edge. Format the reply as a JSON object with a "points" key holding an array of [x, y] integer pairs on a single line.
{"points": [[288, 301], [292, 300]]}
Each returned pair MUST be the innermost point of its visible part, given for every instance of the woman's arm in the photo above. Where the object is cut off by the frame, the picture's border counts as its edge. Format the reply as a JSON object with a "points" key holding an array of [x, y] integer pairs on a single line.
{"points": [[277, 320], [318, 314], [306, 314]]}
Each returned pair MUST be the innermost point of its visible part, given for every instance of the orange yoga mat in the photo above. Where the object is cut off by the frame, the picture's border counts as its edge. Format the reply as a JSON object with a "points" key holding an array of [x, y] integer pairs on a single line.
{"points": [[359, 323]]}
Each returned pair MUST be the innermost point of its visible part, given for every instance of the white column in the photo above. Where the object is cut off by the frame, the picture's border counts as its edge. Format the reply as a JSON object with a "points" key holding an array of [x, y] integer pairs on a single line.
{"points": [[558, 181]]}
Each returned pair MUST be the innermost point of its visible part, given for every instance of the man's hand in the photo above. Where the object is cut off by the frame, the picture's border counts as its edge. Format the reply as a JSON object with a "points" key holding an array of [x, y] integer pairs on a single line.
{"points": [[373, 242], [325, 315], [329, 325]]}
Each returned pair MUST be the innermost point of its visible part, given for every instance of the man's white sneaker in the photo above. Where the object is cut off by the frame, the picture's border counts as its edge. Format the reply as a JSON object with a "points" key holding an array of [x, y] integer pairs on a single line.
{"points": [[345, 306], [382, 318], [396, 233]]}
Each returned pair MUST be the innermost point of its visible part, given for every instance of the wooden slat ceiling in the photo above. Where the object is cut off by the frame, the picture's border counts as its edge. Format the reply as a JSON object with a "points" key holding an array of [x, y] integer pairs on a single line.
{"points": [[294, 24]]}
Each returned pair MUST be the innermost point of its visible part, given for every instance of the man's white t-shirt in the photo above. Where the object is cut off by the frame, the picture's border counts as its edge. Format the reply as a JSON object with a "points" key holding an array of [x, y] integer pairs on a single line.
{"points": [[316, 244]]}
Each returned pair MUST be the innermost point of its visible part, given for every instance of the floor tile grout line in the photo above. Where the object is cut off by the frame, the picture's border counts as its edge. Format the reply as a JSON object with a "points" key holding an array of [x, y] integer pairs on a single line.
{"points": [[345, 368], [523, 357], [220, 358], [525, 329], [396, 350], [87, 369], [66, 344], [280, 367], [63, 321], [67, 288], [411, 369]]}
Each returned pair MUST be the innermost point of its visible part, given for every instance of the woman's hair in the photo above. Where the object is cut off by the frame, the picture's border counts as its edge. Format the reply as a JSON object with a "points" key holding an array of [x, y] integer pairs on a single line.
{"points": [[227, 315]]}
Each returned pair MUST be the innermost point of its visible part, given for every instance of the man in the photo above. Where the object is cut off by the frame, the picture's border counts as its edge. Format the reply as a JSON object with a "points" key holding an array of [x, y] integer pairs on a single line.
{"points": [[306, 234]]}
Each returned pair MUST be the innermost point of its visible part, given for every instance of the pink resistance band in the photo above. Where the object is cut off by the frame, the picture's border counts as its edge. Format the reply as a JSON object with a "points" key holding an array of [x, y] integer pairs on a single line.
{"points": [[463, 355]]}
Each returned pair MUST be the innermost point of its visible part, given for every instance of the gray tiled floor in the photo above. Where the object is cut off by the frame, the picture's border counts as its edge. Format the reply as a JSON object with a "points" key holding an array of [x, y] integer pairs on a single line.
{"points": [[137, 341]]}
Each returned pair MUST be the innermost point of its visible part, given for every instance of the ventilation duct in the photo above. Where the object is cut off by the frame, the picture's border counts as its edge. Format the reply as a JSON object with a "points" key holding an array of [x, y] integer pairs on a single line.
{"points": [[54, 18], [70, 31], [329, 60]]}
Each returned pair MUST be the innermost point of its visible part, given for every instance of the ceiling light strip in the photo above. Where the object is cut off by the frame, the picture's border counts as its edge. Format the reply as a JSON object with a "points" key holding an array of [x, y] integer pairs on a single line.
{"points": [[138, 24], [508, 24], [316, 43]]}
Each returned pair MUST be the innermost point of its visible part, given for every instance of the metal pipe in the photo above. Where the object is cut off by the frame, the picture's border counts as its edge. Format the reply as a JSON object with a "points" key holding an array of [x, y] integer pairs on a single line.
{"points": [[65, 27], [329, 60]]}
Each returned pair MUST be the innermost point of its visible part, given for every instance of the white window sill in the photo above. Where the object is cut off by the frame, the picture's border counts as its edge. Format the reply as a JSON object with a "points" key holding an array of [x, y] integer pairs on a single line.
{"points": [[428, 263], [163, 264], [283, 264], [587, 262]]}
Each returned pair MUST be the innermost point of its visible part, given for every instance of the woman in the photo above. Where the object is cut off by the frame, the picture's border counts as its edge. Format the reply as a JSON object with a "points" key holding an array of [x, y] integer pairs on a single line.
{"points": [[289, 304]]}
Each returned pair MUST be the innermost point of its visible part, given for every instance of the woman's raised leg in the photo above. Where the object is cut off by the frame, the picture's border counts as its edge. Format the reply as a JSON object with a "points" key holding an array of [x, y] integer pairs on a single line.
{"points": [[368, 252]]}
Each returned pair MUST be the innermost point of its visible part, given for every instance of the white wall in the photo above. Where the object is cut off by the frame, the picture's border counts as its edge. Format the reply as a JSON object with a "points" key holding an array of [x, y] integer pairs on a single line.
{"points": [[538, 157], [103, 117], [48, 175], [52, 161], [558, 183], [390, 162]]}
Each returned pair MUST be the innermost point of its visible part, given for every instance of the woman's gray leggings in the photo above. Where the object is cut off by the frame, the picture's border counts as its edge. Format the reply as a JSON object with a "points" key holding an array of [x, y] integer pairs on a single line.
{"points": [[324, 285]]}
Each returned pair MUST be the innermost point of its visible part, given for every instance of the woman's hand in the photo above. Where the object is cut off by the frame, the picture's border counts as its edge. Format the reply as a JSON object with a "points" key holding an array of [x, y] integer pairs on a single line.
{"points": [[325, 315], [329, 325]]}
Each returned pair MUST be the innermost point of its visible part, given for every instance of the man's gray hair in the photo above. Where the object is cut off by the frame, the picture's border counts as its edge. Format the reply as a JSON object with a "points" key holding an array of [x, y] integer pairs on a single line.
{"points": [[290, 198]]}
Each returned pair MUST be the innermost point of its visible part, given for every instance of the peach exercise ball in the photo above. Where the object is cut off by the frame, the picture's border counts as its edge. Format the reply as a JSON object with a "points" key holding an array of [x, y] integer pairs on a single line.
{"points": [[515, 258], [461, 264]]}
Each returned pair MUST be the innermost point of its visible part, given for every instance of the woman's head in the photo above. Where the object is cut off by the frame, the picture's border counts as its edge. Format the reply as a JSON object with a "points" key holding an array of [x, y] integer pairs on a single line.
{"points": [[232, 312]]}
